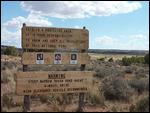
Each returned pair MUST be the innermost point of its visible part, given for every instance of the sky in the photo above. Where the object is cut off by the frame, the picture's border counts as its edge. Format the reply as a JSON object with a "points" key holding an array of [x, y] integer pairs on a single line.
{"points": [[120, 25]]}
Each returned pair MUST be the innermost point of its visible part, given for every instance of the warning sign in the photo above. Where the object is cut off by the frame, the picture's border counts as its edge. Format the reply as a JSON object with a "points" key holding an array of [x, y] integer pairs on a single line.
{"points": [[39, 58], [73, 58], [57, 58]]}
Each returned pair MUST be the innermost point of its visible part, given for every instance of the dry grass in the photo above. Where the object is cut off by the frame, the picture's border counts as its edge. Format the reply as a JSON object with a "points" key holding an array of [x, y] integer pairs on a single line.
{"points": [[115, 57]]}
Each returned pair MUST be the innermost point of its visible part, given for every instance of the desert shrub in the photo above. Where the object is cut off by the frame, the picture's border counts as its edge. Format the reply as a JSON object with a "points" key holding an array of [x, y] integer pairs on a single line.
{"points": [[102, 72], [62, 98], [146, 59], [140, 75], [141, 106], [11, 64], [11, 50], [139, 85], [89, 68], [128, 61], [128, 70], [115, 108], [111, 60], [43, 98], [101, 59], [4, 78], [95, 99], [116, 88], [3, 67], [7, 101], [8, 64], [55, 106]]}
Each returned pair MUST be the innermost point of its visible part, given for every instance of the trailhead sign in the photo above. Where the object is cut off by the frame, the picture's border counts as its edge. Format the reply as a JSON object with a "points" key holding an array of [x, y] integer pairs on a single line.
{"points": [[53, 82], [47, 82], [54, 38]]}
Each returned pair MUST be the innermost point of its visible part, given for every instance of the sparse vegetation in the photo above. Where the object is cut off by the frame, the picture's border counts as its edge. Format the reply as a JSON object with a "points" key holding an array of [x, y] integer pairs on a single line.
{"points": [[110, 86], [141, 60]]}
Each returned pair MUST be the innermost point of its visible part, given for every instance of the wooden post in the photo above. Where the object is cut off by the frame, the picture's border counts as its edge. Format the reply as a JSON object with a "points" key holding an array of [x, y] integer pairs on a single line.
{"points": [[81, 95], [27, 99]]}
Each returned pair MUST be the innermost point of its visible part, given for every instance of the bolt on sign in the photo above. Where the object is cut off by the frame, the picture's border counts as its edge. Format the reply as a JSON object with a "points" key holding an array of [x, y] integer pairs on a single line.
{"points": [[54, 38], [30, 83]]}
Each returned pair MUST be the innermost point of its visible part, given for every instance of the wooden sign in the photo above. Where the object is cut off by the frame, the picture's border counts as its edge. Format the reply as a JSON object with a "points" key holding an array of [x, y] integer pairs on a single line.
{"points": [[49, 58], [30, 83], [54, 38]]}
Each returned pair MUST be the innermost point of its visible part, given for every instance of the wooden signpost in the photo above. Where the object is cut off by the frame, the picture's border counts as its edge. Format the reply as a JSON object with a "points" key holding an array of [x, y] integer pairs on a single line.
{"points": [[51, 82]]}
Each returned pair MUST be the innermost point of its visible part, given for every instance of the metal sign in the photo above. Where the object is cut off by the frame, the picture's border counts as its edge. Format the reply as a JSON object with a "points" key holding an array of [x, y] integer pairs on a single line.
{"points": [[57, 58], [39, 58], [73, 58]]}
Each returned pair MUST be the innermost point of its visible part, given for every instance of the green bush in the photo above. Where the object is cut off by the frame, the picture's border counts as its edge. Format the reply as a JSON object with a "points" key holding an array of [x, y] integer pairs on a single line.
{"points": [[101, 59], [140, 85], [129, 70], [116, 88], [128, 61], [11, 50], [146, 59], [141, 106], [111, 60], [43, 98], [95, 99], [7, 101]]}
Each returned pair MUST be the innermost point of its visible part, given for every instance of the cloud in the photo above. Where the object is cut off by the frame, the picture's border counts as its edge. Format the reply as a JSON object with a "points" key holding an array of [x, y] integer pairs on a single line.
{"points": [[77, 27], [139, 36], [79, 9], [31, 20], [11, 38], [105, 41], [134, 44]]}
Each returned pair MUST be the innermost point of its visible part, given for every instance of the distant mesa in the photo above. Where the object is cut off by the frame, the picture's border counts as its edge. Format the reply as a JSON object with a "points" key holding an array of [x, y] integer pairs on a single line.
{"points": [[100, 51]]}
